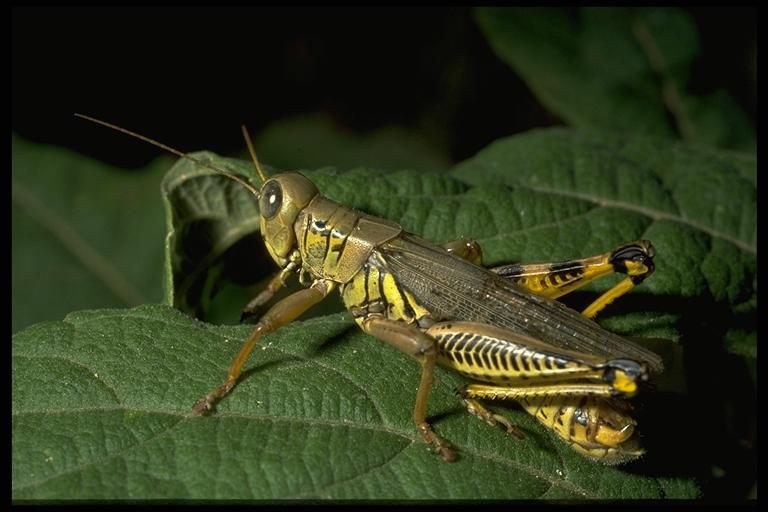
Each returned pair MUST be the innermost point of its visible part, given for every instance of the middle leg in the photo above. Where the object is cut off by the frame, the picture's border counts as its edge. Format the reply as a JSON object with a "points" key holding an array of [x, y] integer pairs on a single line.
{"points": [[412, 341]]}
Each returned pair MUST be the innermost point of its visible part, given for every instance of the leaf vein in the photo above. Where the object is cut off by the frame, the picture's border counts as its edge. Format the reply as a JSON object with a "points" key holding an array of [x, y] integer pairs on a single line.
{"points": [[78, 364], [648, 212]]}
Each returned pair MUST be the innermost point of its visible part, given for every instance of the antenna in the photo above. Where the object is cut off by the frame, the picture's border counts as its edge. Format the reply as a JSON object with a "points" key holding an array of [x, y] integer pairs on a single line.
{"points": [[253, 153], [178, 153]]}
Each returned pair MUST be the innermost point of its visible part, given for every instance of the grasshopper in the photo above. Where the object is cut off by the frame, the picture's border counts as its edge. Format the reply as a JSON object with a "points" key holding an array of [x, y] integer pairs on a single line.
{"points": [[499, 327]]}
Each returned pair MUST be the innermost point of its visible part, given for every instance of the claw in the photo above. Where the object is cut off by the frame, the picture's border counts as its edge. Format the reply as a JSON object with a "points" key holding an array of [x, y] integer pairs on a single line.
{"points": [[492, 419], [204, 406], [207, 404], [446, 453], [509, 426], [441, 446]]}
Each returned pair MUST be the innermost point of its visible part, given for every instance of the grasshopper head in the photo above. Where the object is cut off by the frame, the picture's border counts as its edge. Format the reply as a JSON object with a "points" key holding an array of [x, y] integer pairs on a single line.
{"points": [[281, 199]]}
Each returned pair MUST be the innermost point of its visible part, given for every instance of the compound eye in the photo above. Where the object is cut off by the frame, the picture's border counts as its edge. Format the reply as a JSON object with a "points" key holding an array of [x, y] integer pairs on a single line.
{"points": [[271, 199]]}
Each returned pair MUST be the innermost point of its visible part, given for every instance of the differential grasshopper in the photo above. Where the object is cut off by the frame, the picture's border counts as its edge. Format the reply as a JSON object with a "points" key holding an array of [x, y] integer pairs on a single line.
{"points": [[499, 327]]}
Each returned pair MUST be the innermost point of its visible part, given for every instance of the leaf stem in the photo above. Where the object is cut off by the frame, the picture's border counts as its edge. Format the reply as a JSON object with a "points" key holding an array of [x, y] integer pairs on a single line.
{"points": [[82, 250], [669, 92]]}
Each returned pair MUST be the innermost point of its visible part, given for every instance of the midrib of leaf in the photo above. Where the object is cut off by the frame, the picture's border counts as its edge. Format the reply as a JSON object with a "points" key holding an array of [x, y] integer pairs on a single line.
{"points": [[563, 484], [649, 212], [116, 455], [82, 251], [79, 365], [531, 229]]}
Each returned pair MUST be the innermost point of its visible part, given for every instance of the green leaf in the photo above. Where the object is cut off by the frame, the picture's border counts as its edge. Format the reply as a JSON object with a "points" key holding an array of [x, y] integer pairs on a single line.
{"points": [[101, 410], [206, 215], [616, 70], [83, 234], [697, 206], [101, 401]]}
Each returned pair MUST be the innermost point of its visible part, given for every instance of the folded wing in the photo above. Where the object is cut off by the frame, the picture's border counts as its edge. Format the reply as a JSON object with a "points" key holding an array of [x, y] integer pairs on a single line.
{"points": [[453, 288]]}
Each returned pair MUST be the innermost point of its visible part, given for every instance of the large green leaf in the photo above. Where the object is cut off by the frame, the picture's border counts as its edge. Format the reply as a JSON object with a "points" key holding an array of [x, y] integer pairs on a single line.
{"points": [[101, 410], [616, 69], [696, 205], [83, 234], [101, 400]]}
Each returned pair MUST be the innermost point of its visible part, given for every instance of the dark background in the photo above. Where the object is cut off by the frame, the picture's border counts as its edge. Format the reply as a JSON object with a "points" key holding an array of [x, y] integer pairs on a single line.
{"points": [[190, 76]]}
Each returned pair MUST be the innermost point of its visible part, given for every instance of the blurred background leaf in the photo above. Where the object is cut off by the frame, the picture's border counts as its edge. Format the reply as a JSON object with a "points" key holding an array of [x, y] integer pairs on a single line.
{"points": [[623, 70], [83, 234], [313, 141]]}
